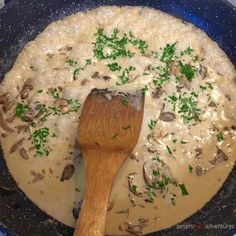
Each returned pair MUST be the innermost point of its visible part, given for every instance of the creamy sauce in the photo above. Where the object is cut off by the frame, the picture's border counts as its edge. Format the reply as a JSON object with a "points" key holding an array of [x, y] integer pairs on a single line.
{"points": [[198, 154]]}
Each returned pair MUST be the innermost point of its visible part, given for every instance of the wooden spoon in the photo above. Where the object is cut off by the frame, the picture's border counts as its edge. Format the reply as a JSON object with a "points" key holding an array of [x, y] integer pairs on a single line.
{"points": [[109, 129]]}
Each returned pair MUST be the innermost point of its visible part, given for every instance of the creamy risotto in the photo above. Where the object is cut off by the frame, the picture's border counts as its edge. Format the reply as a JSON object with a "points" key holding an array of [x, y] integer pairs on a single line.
{"points": [[187, 143]]}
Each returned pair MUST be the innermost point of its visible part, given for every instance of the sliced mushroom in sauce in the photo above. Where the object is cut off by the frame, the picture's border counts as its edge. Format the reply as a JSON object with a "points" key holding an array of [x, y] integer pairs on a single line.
{"points": [[198, 152], [68, 172], [203, 71], [27, 87], [167, 116], [4, 97], [62, 104], [24, 154], [4, 125], [16, 145], [220, 156], [155, 172], [199, 170], [37, 176], [8, 105]]}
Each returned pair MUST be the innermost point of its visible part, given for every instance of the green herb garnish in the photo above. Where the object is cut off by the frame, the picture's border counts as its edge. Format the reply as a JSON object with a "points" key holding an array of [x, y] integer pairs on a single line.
{"points": [[144, 89], [39, 140], [210, 86], [190, 168], [134, 188], [71, 62], [124, 77], [152, 124], [187, 51], [183, 141], [168, 53], [183, 189], [169, 150], [125, 101], [20, 109], [55, 92], [187, 70], [220, 136], [156, 172], [114, 66]]}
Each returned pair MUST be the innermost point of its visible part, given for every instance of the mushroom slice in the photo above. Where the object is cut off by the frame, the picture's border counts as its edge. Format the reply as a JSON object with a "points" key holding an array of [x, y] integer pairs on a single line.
{"points": [[7, 105], [4, 125], [220, 156], [4, 97], [198, 152], [27, 87], [199, 170], [37, 176], [16, 145], [157, 174], [67, 172], [134, 229], [167, 116], [202, 71], [62, 104], [24, 154]]}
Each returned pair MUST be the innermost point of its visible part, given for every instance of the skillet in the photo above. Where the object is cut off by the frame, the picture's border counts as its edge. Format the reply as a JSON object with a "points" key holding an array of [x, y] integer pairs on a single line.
{"points": [[22, 20]]}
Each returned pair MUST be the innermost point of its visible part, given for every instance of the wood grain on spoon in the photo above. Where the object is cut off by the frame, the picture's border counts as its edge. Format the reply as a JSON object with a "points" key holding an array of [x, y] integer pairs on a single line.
{"points": [[108, 131]]}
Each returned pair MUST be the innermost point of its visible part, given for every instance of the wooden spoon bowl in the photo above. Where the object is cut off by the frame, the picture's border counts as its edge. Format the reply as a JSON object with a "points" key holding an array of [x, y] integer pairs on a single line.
{"points": [[109, 129]]}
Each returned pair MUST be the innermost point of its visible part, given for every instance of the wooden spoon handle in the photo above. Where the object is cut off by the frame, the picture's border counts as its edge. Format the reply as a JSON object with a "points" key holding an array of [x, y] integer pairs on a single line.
{"points": [[100, 173]]}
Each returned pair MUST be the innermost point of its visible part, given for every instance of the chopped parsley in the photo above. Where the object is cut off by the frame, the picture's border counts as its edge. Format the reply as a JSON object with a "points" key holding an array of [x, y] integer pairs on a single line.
{"points": [[190, 168], [220, 136], [156, 172], [114, 66], [75, 104], [210, 86], [174, 140], [162, 184], [39, 141], [156, 158], [71, 62], [152, 124], [183, 141], [188, 106], [187, 70], [187, 51], [144, 89], [168, 53], [151, 194], [55, 92], [133, 188], [125, 101], [115, 45], [111, 46], [142, 45], [20, 109], [40, 91], [202, 88], [169, 150], [124, 77], [183, 190]]}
